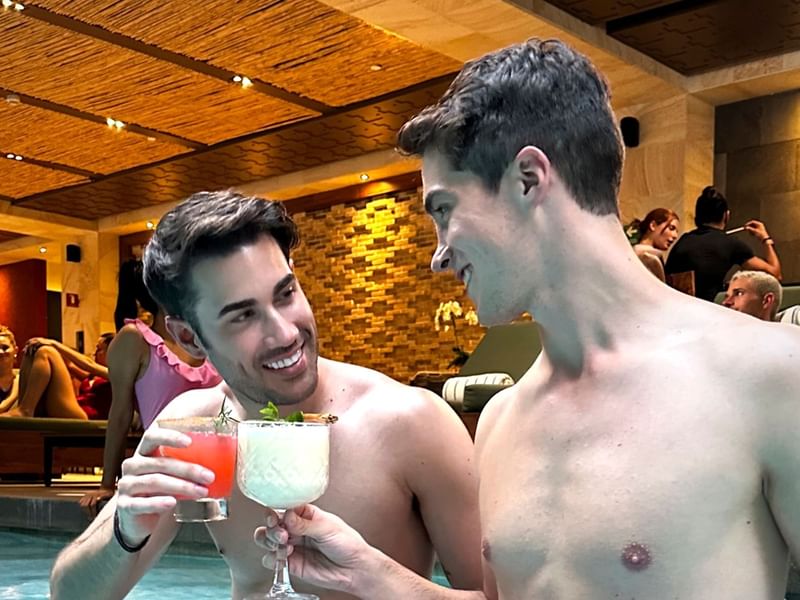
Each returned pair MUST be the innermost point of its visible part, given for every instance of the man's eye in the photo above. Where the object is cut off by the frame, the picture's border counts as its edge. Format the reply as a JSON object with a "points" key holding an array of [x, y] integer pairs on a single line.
{"points": [[242, 316], [288, 292]]}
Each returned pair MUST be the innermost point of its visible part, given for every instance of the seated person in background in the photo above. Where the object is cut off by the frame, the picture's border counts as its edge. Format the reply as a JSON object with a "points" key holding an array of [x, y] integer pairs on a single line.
{"points": [[657, 232], [710, 253], [47, 372], [9, 377], [147, 369], [759, 294], [401, 460]]}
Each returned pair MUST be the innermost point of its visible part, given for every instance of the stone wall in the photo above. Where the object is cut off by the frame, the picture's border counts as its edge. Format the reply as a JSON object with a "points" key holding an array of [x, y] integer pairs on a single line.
{"points": [[365, 267], [756, 167]]}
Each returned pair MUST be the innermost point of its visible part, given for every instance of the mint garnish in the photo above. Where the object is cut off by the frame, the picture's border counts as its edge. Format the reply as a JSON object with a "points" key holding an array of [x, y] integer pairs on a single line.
{"points": [[270, 413]]}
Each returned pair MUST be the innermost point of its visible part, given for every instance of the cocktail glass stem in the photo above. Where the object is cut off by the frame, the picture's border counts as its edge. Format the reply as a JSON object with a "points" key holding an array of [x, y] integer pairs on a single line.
{"points": [[281, 586]]}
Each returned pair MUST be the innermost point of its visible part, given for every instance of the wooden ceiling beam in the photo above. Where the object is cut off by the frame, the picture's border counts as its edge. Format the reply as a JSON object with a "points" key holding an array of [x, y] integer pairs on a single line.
{"points": [[123, 41], [79, 114], [52, 165], [656, 14]]}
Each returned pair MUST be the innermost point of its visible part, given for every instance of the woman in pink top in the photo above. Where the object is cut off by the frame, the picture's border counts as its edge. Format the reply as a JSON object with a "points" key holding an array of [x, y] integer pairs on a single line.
{"points": [[147, 368]]}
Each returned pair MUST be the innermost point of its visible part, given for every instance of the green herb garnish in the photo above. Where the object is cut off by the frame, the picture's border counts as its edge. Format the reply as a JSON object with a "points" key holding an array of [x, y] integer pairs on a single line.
{"points": [[223, 419], [270, 413]]}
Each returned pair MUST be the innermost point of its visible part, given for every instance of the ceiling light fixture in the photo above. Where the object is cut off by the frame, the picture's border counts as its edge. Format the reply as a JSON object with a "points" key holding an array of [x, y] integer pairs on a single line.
{"points": [[42, 250], [18, 7], [376, 67], [13, 99], [245, 82], [150, 225], [114, 124], [18, 157], [364, 177], [11, 156]]}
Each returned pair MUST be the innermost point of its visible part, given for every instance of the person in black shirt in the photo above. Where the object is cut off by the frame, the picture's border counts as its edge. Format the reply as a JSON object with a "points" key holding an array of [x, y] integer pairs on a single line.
{"points": [[710, 252]]}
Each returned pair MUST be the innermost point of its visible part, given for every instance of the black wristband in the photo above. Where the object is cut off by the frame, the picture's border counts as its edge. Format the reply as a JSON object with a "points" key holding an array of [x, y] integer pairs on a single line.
{"points": [[121, 542], [766, 239]]}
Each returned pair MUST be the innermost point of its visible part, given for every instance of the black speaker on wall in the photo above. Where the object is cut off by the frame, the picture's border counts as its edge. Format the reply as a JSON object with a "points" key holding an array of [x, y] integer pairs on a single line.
{"points": [[629, 127], [73, 253]]}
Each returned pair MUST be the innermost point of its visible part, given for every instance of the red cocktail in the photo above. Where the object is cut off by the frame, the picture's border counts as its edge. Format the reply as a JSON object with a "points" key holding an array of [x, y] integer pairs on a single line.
{"points": [[214, 447]]}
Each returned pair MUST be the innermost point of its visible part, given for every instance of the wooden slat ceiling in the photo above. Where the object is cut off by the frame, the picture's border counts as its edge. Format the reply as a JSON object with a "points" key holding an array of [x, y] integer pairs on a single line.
{"points": [[302, 146], [165, 70], [694, 36]]}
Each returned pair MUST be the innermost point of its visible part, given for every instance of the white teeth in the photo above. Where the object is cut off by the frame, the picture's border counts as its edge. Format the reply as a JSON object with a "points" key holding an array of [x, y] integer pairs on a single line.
{"points": [[286, 362]]}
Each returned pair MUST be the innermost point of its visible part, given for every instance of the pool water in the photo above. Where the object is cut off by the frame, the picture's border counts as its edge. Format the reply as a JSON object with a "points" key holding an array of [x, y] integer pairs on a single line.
{"points": [[27, 558]]}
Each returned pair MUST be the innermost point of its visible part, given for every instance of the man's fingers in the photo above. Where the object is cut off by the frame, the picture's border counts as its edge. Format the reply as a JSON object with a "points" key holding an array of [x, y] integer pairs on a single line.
{"points": [[160, 484], [145, 505], [146, 465], [155, 437]]}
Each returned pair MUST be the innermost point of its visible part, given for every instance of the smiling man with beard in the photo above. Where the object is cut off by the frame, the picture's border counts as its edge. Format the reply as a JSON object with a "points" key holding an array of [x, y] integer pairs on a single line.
{"points": [[401, 461]]}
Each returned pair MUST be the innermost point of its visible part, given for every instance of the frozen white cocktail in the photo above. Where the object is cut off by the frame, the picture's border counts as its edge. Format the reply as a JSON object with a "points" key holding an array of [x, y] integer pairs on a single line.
{"points": [[283, 465]]}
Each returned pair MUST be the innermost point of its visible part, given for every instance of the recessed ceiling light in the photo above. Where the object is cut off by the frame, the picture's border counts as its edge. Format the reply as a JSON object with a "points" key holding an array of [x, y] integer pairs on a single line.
{"points": [[150, 138], [364, 177], [18, 6], [150, 225], [237, 79], [10, 156], [376, 67], [42, 250], [246, 83], [18, 157], [114, 123], [12, 99]]}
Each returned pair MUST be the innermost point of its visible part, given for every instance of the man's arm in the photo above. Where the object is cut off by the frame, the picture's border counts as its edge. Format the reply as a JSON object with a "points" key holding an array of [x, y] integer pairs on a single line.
{"points": [[95, 565], [438, 457], [328, 553], [778, 433], [770, 263]]}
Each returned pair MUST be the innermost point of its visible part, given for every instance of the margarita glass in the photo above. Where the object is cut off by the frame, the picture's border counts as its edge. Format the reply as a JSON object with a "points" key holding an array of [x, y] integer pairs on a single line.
{"points": [[283, 465], [214, 447]]}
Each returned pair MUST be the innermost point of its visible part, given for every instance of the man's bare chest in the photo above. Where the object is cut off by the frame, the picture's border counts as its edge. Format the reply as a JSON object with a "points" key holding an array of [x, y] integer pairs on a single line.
{"points": [[583, 495]]}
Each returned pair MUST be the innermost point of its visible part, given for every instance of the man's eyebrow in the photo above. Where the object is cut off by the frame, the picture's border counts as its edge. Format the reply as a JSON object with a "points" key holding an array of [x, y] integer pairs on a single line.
{"points": [[430, 197], [286, 280], [234, 306]]}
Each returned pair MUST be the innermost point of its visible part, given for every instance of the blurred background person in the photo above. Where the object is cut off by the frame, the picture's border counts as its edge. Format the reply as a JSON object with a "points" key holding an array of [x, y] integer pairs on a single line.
{"points": [[9, 377], [147, 369], [656, 234], [57, 381], [710, 253], [759, 294]]}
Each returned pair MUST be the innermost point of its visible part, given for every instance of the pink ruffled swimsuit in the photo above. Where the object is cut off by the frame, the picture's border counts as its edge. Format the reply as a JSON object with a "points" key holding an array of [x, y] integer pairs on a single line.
{"points": [[166, 376]]}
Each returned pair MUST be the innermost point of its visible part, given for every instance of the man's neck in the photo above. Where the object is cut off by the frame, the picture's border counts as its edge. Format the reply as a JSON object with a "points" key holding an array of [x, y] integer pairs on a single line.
{"points": [[589, 290], [719, 226]]}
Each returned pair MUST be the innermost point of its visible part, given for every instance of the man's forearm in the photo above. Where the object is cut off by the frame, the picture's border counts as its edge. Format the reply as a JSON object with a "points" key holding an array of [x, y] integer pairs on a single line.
{"points": [[386, 579], [93, 566]]}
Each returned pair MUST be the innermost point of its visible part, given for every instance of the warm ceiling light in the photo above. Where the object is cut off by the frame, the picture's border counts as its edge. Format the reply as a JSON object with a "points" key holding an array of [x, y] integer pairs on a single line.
{"points": [[18, 157], [150, 138], [364, 177], [376, 67], [246, 83], [10, 156], [12, 99], [237, 79], [114, 124], [150, 225], [18, 6], [42, 250]]}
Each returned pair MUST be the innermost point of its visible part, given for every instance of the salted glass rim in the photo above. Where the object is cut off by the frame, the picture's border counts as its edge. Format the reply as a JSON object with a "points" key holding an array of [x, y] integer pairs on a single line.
{"points": [[262, 423]]}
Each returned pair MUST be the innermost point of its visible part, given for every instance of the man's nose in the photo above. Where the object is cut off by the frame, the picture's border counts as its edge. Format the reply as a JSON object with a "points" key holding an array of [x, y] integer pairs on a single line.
{"points": [[441, 259]]}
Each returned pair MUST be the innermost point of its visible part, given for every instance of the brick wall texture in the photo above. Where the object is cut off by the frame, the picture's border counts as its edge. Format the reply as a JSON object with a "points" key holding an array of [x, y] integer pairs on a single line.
{"points": [[365, 267]]}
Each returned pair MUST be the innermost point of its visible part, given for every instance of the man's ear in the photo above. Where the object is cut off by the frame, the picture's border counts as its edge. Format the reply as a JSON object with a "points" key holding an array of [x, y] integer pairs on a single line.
{"points": [[291, 264], [768, 300], [530, 171], [184, 334]]}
